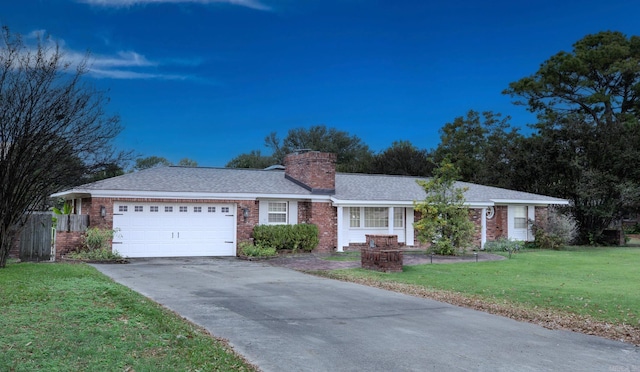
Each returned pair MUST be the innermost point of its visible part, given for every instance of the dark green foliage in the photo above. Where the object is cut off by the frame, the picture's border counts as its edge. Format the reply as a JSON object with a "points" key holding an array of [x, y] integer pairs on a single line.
{"points": [[587, 136], [301, 237], [252, 160], [404, 159], [482, 146], [151, 162]]}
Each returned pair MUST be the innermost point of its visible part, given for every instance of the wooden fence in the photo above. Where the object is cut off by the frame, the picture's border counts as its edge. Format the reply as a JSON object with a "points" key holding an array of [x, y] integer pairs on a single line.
{"points": [[38, 236]]}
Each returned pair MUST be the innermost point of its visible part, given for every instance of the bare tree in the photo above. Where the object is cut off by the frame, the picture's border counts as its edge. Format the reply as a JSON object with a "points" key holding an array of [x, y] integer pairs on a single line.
{"points": [[54, 130]]}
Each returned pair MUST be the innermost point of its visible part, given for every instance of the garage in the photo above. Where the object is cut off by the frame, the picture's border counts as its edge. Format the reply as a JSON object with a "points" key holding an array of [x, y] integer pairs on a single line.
{"points": [[174, 229]]}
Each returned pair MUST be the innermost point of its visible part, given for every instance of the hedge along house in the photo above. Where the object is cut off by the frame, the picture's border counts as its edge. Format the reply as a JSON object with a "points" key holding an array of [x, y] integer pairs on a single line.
{"points": [[184, 211]]}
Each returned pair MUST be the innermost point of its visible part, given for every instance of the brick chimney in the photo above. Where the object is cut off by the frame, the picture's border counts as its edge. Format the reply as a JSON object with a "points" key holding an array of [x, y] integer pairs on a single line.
{"points": [[313, 170]]}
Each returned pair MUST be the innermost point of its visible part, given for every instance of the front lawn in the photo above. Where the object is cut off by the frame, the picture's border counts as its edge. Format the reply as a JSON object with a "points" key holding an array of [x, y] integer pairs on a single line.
{"points": [[599, 284], [69, 317]]}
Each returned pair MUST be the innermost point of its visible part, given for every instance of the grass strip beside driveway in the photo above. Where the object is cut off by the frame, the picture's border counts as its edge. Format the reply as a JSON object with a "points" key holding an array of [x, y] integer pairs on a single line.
{"points": [[70, 317], [590, 290]]}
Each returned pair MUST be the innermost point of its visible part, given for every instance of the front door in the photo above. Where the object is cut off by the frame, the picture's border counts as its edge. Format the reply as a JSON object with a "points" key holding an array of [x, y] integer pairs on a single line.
{"points": [[518, 225]]}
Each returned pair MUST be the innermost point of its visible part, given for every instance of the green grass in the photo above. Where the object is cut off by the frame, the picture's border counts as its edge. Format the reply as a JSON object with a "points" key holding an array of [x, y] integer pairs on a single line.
{"points": [[598, 282], [66, 317]]}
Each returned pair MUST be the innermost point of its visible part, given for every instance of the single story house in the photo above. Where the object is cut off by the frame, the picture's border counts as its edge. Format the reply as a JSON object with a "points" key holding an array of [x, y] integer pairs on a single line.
{"points": [[186, 211]]}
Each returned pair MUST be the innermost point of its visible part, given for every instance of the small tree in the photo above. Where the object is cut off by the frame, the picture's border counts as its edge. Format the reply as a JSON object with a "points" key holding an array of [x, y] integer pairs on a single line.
{"points": [[444, 220]]}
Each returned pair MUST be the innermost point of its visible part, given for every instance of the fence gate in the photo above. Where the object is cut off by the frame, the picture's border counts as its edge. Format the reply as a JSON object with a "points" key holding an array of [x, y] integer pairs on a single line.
{"points": [[35, 238]]}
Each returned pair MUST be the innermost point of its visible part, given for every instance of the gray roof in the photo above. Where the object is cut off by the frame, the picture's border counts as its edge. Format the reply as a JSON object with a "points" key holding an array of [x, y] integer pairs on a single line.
{"points": [[233, 181], [402, 188], [205, 180]]}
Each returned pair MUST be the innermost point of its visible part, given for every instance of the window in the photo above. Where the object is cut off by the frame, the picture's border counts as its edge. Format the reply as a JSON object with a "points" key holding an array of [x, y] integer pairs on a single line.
{"points": [[354, 217], [376, 217], [183, 208], [168, 209], [122, 208], [277, 212], [197, 209], [153, 208], [211, 209], [520, 217], [224, 209], [398, 217], [138, 208]]}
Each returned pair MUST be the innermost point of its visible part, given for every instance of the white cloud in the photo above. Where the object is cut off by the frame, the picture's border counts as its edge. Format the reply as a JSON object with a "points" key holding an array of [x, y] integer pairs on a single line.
{"points": [[253, 4], [121, 65]]}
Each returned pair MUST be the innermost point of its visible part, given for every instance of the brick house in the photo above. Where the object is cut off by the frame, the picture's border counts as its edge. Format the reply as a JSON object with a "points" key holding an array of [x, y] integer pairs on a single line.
{"points": [[184, 211]]}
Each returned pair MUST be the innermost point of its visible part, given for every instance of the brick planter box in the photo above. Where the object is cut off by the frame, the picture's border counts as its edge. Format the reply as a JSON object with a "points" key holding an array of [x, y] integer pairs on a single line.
{"points": [[382, 253]]}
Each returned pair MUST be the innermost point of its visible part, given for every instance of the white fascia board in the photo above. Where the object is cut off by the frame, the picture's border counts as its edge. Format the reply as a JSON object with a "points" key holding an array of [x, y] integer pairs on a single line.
{"points": [[531, 202], [180, 195], [372, 203], [398, 203]]}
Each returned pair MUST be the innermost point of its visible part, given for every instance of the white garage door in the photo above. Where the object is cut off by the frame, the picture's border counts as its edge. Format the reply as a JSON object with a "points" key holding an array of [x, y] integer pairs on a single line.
{"points": [[174, 229]]}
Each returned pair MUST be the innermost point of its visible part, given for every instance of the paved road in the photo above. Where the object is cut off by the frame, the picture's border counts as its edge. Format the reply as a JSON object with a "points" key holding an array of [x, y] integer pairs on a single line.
{"points": [[283, 320]]}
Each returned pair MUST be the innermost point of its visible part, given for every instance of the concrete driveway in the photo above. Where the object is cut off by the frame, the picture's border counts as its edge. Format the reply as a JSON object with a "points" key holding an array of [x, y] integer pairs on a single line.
{"points": [[283, 320]]}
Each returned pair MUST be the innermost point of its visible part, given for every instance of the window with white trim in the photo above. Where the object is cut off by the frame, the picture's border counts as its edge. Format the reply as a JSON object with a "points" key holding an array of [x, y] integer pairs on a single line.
{"points": [[183, 208], [122, 208], [277, 212], [520, 217], [168, 209], [138, 208], [197, 209], [376, 217], [354, 217], [211, 209], [153, 208], [224, 209], [398, 217]]}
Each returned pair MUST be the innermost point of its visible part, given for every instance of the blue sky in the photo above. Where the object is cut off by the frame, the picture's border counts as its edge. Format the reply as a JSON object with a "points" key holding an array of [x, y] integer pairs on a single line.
{"points": [[208, 80]]}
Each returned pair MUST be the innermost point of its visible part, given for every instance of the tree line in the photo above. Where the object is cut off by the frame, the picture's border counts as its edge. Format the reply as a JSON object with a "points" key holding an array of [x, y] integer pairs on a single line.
{"points": [[584, 147]]}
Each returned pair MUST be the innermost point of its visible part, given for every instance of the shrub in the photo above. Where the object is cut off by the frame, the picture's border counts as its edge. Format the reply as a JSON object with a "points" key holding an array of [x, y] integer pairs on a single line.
{"points": [[96, 238], [101, 254], [302, 237], [96, 246], [251, 250], [557, 231], [503, 245]]}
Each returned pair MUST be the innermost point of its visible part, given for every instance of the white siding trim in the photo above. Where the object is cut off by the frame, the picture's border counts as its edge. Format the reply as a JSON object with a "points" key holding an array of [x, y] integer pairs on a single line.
{"points": [[341, 233], [409, 230], [293, 212]]}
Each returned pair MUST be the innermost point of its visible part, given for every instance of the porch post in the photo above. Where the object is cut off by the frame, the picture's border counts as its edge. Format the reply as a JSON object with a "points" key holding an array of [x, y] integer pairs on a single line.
{"points": [[390, 220], [340, 228], [483, 227]]}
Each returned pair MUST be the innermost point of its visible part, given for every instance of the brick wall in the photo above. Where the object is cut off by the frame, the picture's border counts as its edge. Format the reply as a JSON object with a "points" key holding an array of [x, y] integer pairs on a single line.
{"points": [[67, 242], [475, 215], [497, 226], [316, 170], [324, 215]]}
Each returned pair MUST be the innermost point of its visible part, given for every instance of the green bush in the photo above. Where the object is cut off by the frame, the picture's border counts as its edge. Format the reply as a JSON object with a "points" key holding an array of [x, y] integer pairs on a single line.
{"points": [[96, 238], [301, 237], [251, 250], [101, 254], [503, 245]]}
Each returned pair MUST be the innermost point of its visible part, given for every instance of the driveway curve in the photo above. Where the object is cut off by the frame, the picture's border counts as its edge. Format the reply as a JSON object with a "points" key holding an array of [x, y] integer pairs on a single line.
{"points": [[283, 320]]}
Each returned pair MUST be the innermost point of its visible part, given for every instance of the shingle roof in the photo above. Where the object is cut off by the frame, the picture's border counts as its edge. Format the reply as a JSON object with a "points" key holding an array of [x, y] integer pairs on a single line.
{"points": [[402, 188], [206, 180], [233, 181]]}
